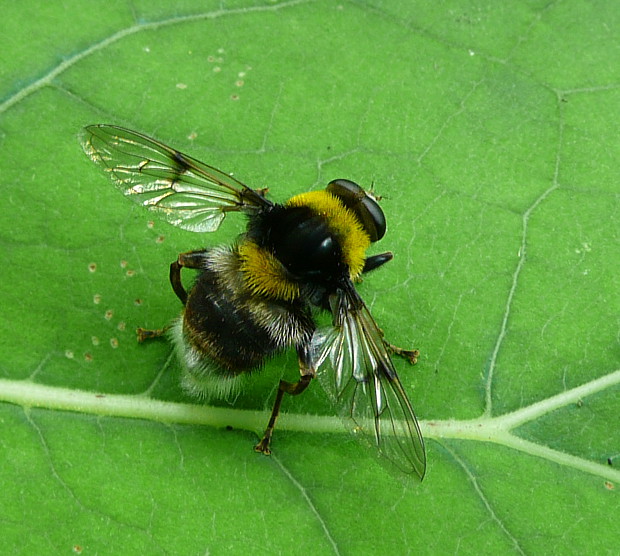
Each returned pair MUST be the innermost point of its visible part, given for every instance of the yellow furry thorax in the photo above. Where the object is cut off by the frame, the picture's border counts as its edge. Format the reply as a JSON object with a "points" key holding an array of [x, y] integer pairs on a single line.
{"points": [[343, 223], [266, 276]]}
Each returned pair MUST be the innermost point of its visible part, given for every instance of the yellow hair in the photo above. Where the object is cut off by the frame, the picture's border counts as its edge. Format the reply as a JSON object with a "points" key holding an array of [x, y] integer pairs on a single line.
{"points": [[264, 274], [342, 222]]}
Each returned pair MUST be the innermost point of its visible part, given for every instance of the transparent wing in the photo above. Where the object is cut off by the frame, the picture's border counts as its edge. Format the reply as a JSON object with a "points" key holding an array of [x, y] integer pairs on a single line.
{"points": [[184, 191], [355, 369]]}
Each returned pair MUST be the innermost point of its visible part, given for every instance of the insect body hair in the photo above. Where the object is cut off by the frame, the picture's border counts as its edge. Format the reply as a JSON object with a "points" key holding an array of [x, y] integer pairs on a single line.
{"points": [[228, 331]]}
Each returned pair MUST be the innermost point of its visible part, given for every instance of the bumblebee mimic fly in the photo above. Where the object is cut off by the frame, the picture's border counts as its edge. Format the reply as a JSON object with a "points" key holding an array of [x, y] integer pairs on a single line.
{"points": [[259, 296]]}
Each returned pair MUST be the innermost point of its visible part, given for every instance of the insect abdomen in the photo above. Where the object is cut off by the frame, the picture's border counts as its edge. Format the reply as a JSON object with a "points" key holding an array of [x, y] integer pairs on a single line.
{"points": [[223, 330], [226, 331]]}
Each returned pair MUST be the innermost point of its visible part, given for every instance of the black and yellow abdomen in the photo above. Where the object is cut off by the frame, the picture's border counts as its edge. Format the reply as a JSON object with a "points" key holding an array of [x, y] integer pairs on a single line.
{"points": [[227, 330]]}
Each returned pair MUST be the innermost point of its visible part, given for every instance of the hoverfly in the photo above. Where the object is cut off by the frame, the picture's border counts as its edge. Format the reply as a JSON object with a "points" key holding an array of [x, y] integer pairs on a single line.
{"points": [[260, 295]]}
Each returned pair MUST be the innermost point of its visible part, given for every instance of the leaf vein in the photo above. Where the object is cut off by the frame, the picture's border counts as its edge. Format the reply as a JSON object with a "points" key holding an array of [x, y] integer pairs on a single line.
{"points": [[485, 501], [309, 502], [68, 63]]}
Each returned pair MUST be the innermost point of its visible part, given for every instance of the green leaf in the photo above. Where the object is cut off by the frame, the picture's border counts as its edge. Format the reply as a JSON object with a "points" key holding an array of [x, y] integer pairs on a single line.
{"points": [[490, 130]]}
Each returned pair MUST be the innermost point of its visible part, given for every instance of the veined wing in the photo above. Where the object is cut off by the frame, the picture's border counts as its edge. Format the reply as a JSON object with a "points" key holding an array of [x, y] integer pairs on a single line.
{"points": [[355, 369], [184, 191]]}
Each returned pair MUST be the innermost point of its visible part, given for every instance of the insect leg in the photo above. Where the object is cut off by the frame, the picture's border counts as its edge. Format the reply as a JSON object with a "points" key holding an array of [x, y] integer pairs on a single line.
{"points": [[410, 355], [190, 259], [292, 388], [145, 334], [376, 261]]}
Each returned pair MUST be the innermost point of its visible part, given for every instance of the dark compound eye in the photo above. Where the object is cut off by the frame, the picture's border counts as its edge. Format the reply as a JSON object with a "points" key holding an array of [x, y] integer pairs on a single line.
{"points": [[362, 205]]}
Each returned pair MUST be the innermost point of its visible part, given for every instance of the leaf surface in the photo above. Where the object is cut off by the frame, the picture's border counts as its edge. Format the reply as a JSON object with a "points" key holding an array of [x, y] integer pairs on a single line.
{"points": [[490, 131]]}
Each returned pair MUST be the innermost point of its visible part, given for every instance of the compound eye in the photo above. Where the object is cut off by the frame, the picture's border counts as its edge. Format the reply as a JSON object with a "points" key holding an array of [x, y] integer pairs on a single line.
{"points": [[373, 219], [345, 189], [366, 209]]}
